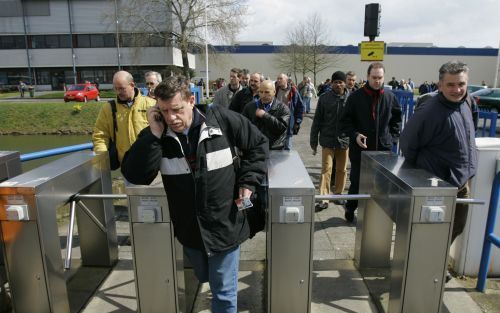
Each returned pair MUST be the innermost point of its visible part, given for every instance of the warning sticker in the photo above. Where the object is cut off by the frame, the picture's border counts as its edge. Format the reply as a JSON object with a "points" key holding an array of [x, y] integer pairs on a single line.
{"points": [[289, 201]]}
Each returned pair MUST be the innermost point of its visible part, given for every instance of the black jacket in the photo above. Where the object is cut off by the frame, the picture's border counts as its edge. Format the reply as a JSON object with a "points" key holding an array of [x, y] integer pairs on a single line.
{"points": [[440, 138], [381, 123], [273, 124], [240, 99], [326, 121], [201, 203]]}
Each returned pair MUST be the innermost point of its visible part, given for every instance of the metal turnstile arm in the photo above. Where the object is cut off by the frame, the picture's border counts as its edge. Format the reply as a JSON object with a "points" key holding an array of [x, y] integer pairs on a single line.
{"points": [[69, 238], [342, 197]]}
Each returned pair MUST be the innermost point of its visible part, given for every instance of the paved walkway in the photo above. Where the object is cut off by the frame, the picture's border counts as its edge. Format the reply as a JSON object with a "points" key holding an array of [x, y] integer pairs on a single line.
{"points": [[337, 285]]}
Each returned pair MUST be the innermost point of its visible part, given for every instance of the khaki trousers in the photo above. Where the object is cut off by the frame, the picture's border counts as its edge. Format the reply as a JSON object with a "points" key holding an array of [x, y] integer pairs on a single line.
{"points": [[327, 156]]}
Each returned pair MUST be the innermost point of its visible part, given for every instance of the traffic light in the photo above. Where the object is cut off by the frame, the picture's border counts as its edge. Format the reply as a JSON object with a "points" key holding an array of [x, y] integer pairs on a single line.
{"points": [[372, 20]]}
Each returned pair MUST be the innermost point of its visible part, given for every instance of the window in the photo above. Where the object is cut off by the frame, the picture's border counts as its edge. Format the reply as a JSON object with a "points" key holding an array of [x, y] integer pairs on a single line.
{"points": [[38, 42], [97, 41], [52, 41], [12, 42], [83, 41], [64, 41], [109, 40], [43, 77], [156, 41]]}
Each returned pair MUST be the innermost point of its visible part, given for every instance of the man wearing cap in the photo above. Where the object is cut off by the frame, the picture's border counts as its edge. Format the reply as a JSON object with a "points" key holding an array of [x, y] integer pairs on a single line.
{"points": [[333, 145]]}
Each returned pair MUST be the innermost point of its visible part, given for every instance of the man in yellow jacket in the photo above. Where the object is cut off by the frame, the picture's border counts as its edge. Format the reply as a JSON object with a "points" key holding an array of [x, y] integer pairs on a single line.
{"points": [[131, 117]]}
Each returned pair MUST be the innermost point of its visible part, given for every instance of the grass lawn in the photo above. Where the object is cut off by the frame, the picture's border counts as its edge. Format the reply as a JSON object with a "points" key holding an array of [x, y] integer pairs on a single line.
{"points": [[48, 117]]}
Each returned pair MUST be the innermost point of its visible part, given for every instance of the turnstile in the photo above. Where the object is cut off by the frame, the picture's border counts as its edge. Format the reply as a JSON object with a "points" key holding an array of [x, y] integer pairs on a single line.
{"points": [[290, 232], [161, 282], [10, 164], [30, 235], [422, 208]]}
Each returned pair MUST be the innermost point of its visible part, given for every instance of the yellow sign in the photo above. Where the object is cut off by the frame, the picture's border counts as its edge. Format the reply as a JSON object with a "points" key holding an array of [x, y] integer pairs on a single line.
{"points": [[372, 50]]}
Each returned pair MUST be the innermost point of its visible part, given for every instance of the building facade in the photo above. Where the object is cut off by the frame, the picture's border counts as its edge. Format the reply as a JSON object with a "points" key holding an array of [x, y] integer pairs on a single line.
{"points": [[418, 63], [49, 43]]}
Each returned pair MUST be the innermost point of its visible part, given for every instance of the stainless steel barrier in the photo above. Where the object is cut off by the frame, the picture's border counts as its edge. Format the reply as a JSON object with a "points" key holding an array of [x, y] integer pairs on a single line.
{"points": [[422, 209], [161, 281], [30, 234], [10, 164], [290, 229]]}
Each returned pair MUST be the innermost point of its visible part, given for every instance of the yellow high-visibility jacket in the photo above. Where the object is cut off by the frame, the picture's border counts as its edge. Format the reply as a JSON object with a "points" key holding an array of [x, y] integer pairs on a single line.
{"points": [[130, 122]]}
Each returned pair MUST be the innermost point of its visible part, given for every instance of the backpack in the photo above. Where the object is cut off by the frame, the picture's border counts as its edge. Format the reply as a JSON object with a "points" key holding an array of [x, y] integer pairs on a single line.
{"points": [[256, 215]]}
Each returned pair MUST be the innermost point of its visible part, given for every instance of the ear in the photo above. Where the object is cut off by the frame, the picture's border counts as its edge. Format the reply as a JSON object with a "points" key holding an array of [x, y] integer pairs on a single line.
{"points": [[191, 101]]}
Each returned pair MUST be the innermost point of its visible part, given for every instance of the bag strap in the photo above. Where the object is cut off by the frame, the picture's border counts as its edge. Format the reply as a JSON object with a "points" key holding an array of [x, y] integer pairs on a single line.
{"points": [[113, 112]]}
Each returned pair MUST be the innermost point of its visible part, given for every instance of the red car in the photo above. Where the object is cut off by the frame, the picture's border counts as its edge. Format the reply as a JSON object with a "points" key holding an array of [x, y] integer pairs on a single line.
{"points": [[81, 92]]}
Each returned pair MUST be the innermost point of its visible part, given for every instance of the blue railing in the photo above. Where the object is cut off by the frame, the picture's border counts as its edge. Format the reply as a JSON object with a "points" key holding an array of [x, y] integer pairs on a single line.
{"points": [[489, 237], [492, 117], [55, 151]]}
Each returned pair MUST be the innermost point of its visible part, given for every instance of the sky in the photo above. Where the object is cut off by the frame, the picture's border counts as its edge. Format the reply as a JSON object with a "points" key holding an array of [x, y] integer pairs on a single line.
{"points": [[444, 23]]}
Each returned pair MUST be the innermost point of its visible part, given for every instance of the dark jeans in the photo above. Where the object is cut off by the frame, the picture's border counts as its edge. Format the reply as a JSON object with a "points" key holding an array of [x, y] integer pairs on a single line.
{"points": [[355, 158], [461, 211]]}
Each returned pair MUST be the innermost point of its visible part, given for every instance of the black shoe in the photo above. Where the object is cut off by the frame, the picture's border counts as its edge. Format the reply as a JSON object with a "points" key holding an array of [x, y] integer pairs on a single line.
{"points": [[320, 207], [448, 277], [349, 216], [339, 202]]}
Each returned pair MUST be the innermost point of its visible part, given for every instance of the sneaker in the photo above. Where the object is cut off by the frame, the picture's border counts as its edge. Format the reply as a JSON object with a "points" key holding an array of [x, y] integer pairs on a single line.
{"points": [[339, 202], [320, 207], [349, 216]]}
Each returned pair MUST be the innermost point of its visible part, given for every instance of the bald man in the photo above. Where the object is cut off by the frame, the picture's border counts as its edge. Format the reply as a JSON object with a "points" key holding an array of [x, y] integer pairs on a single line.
{"points": [[270, 115], [131, 107]]}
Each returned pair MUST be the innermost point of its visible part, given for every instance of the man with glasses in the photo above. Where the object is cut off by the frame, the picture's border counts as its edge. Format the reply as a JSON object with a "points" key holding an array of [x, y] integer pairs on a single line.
{"points": [[152, 80], [129, 116]]}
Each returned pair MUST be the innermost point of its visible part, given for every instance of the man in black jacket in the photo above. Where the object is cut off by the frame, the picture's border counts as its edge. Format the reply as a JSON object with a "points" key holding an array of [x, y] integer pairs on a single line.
{"points": [[372, 121], [326, 123], [203, 180], [242, 97], [440, 137], [270, 115]]}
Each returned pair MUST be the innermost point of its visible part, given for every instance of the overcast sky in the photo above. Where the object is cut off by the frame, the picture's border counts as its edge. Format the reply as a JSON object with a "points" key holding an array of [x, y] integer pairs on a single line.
{"points": [[445, 23]]}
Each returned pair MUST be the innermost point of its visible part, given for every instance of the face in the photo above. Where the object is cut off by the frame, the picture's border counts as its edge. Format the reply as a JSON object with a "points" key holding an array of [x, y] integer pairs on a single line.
{"points": [[338, 86], [151, 82], [177, 113], [282, 81], [376, 78], [244, 79], [350, 81], [266, 92], [254, 82], [233, 78], [124, 89], [454, 86]]}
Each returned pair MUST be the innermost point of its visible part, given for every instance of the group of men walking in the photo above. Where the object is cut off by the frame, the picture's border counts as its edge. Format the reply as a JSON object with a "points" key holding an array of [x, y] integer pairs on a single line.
{"points": [[212, 162]]}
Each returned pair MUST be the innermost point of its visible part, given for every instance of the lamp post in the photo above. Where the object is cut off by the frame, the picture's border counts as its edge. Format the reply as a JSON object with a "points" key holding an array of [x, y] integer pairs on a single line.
{"points": [[206, 51]]}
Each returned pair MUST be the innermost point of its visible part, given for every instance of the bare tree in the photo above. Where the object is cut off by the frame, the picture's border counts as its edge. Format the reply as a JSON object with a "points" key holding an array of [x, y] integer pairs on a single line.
{"points": [[182, 22], [307, 49]]}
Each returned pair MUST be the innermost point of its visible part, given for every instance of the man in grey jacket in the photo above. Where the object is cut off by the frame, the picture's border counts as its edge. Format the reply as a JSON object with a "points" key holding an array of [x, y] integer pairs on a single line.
{"points": [[440, 137], [224, 95], [326, 123]]}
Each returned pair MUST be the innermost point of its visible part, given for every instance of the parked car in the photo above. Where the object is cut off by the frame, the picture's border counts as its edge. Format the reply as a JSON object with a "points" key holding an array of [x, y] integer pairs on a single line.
{"points": [[474, 88], [488, 98], [81, 93]]}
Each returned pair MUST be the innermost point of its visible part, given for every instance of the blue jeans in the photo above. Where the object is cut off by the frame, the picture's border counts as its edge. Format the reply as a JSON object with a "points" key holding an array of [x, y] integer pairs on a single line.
{"points": [[307, 103], [221, 272]]}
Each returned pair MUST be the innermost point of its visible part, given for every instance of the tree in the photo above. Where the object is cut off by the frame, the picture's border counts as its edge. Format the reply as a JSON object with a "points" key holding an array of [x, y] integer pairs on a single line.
{"points": [[182, 22], [307, 49]]}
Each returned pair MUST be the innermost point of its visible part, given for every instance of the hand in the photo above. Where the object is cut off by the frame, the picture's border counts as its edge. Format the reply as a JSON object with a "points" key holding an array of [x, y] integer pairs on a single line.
{"points": [[156, 121], [314, 149], [244, 193], [260, 113], [361, 141]]}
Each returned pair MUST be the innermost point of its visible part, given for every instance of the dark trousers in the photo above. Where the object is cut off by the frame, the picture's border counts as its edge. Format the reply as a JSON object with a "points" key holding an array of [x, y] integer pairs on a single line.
{"points": [[461, 211], [355, 158]]}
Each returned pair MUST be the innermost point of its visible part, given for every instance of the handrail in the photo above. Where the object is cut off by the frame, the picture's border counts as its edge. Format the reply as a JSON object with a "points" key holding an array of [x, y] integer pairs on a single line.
{"points": [[55, 151], [489, 236]]}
